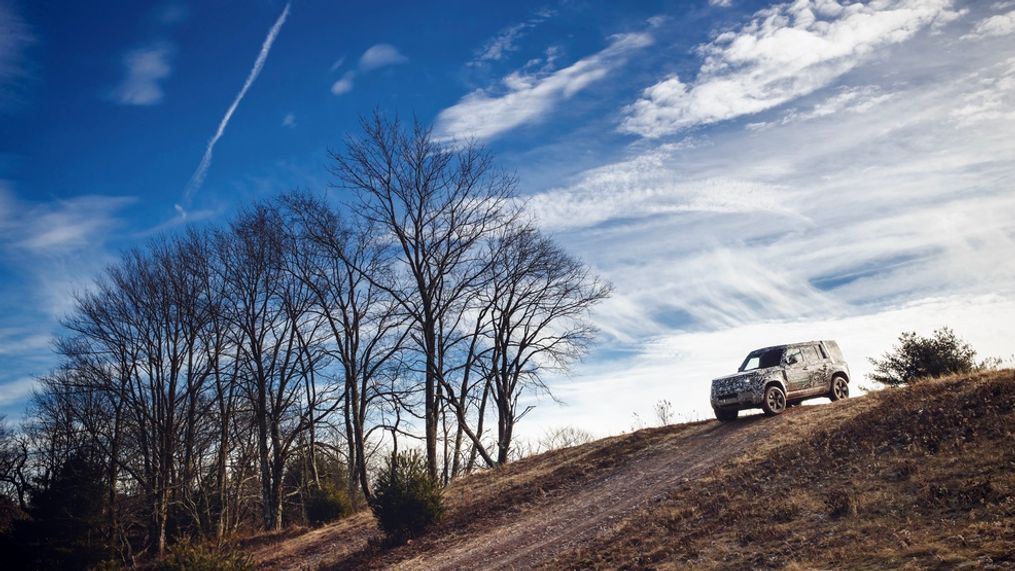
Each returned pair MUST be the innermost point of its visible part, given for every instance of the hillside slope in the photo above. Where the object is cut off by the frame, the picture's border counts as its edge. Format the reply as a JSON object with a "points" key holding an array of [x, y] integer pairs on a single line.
{"points": [[923, 476]]}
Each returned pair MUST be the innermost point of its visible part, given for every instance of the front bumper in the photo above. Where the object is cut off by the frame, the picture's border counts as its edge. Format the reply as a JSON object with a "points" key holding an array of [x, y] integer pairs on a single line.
{"points": [[730, 400]]}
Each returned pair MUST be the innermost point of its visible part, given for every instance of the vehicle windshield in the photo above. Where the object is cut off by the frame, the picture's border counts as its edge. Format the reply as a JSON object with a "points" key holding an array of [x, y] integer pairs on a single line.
{"points": [[762, 359]]}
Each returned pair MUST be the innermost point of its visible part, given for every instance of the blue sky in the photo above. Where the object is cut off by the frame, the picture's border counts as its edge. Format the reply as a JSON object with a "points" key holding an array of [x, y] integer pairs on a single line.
{"points": [[745, 173]]}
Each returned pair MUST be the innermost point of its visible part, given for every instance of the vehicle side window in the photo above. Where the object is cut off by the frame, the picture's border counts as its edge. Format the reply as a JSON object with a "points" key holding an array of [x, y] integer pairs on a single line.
{"points": [[793, 358], [811, 354], [821, 348]]}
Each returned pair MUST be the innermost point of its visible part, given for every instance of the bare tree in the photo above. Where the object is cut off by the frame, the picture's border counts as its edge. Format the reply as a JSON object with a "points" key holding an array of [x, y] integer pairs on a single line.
{"points": [[13, 464], [366, 325], [538, 298], [144, 322], [436, 204], [564, 437], [277, 339]]}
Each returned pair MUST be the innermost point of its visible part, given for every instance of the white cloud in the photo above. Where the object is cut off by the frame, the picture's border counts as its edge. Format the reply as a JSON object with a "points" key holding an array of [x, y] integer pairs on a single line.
{"points": [[785, 52], [197, 179], [375, 57], [345, 84], [999, 25], [721, 3], [289, 120], [381, 55], [877, 206], [524, 98], [146, 69]]}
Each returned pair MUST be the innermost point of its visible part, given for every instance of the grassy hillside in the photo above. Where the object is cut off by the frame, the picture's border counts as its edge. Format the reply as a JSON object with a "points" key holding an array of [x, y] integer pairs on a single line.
{"points": [[922, 476]]}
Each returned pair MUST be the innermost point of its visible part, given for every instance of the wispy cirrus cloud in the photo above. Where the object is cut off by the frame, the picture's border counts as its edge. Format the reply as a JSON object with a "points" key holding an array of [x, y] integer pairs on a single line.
{"points": [[808, 198], [55, 247], [784, 52], [506, 41], [645, 186], [17, 390], [856, 99], [896, 187], [56, 227], [197, 179], [523, 97], [15, 37], [146, 68]]}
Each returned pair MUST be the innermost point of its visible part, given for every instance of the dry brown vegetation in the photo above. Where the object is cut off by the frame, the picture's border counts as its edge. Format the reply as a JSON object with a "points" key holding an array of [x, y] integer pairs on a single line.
{"points": [[917, 477]]}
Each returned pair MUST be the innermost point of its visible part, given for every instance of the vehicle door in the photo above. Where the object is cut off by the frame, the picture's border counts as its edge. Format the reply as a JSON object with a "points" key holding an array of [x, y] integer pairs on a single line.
{"points": [[818, 374], [797, 375]]}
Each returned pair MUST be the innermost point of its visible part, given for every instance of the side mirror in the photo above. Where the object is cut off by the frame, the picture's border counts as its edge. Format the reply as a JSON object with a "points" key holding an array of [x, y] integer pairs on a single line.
{"points": [[791, 359]]}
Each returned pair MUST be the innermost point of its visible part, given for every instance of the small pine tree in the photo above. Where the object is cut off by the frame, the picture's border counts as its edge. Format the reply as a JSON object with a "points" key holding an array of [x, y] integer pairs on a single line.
{"points": [[327, 503], [916, 357], [406, 501], [65, 525], [188, 556]]}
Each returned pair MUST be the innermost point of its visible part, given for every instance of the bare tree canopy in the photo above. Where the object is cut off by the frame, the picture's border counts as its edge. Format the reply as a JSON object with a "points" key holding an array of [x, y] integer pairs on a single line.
{"points": [[236, 377]]}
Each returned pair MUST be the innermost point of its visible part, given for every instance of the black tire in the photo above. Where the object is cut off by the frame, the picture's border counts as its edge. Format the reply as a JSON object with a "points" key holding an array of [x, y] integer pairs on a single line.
{"points": [[726, 415], [840, 389], [775, 400]]}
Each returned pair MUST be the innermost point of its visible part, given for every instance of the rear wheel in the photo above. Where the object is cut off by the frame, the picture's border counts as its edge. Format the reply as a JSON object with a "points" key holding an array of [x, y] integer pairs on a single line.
{"points": [[840, 389], [775, 400], [726, 415]]}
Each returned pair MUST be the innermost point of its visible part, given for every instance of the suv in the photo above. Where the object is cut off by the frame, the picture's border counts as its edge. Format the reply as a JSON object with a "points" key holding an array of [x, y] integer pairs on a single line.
{"points": [[784, 375]]}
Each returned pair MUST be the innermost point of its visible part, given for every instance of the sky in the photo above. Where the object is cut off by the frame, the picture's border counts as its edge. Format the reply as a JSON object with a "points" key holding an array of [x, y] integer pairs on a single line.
{"points": [[744, 173]]}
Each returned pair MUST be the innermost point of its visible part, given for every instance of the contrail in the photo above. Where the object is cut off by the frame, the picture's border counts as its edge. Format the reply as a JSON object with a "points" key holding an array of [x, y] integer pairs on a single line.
{"points": [[202, 169]]}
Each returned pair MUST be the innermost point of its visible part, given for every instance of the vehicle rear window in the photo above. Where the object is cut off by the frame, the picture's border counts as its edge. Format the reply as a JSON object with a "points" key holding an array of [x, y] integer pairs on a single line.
{"points": [[833, 350]]}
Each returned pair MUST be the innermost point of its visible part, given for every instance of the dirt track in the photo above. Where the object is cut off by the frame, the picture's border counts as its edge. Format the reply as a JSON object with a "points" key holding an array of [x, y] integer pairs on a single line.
{"points": [[556, 526], [497, 523]]}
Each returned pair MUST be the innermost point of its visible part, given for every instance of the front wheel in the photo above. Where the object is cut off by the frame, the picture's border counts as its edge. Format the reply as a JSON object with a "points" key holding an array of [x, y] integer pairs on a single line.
{"points": [[726, 415], [840, 389], [775, 400]]}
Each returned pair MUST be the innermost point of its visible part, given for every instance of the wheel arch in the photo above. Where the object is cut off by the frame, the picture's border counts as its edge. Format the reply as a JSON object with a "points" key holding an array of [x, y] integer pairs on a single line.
{"points": [[776, 381]]}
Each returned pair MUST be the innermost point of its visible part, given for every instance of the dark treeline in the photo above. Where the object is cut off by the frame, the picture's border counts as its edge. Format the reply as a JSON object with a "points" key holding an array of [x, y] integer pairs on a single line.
{"points": [[210, 382]]}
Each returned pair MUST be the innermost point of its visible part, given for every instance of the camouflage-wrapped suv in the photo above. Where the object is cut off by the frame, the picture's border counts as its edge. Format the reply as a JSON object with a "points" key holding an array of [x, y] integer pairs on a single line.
{"points": [[776, 377]]}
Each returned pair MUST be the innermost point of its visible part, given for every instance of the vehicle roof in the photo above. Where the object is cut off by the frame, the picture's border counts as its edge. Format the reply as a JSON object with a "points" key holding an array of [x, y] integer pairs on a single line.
{"points": [[797, 344]]}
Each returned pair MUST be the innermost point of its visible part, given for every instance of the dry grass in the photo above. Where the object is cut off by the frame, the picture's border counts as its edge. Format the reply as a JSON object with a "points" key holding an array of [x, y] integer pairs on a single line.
{"points": [[920, 477]]}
